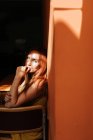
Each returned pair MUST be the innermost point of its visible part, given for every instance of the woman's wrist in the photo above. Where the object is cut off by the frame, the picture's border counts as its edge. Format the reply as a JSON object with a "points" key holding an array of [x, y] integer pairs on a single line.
{"points": [[17, 78], [16, 82]]}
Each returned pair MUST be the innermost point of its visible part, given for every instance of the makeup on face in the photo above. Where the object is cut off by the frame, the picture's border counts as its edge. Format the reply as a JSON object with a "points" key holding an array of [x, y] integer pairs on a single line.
{"points": [[32, 62]]}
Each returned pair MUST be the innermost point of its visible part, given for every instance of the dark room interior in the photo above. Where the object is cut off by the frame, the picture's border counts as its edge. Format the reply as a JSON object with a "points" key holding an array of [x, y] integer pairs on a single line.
{"points": [[21, 29]]}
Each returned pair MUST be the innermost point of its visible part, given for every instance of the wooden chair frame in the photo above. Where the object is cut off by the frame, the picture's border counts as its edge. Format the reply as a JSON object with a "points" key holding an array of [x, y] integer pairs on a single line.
{"points": [[33, 117]]}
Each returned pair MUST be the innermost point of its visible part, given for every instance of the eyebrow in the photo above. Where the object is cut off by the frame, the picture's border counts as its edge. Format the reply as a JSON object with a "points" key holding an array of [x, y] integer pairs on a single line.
{"points": [[34, 59]]}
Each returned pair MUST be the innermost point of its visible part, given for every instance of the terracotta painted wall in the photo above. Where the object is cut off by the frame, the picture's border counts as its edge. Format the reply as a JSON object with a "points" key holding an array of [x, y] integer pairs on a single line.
{"points": [[70, 70]]}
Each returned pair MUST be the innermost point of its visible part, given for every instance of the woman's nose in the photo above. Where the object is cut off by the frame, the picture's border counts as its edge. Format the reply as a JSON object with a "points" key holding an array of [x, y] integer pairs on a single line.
{"points": [[28, 63]]}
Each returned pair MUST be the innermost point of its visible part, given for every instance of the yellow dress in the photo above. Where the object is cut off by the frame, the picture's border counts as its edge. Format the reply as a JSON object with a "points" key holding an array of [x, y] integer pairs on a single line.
{"points": [[36, 135]]}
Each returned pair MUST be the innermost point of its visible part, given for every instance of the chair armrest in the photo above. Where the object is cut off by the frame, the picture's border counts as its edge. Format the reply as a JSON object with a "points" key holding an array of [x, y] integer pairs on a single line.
{"points": [[21, 109]]}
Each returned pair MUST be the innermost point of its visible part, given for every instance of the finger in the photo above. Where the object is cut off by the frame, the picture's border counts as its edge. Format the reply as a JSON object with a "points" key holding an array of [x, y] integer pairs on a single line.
{"points": [[27, 69], [7, 99], [8, 94], [23, 68]]}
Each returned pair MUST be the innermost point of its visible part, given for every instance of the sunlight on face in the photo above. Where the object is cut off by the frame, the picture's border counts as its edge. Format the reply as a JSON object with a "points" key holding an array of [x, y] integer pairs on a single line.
{"points": [[32, 62]]}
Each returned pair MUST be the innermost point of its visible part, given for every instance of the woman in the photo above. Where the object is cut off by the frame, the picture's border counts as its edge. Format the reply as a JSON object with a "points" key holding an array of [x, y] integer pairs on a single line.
{"points": [[29, 87], [30, 82]]}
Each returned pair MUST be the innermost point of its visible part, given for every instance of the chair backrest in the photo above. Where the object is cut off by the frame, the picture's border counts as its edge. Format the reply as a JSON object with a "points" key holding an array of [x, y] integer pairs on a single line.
{"points": [[22, 119]]}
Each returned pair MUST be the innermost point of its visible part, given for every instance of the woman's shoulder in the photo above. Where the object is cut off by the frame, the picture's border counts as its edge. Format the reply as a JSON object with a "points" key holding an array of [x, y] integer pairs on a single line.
{"points": [[42, 82], [41, 85], [41, 92]]}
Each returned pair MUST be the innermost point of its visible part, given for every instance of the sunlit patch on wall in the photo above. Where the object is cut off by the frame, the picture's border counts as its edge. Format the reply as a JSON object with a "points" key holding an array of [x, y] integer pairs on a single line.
{"points": [[67, 3]]}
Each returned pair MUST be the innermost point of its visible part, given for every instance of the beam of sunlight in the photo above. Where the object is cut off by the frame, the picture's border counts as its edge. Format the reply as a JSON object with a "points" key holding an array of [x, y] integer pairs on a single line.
{"points": [[67, 3], [71, 18]]}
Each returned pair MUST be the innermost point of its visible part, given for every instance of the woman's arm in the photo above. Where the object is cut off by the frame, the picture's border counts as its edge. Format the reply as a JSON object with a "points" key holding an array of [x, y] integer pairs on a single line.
{"points": [[26, 96], [20, 73]]}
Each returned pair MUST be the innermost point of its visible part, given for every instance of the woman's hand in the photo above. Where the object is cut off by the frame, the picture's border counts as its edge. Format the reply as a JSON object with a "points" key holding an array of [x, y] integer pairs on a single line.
{"points": [[21, 71], [7, 97]]}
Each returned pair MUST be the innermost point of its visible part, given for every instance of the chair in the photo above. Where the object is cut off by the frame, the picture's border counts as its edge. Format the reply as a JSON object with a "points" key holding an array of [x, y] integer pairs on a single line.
{"points": [[25, 119]]}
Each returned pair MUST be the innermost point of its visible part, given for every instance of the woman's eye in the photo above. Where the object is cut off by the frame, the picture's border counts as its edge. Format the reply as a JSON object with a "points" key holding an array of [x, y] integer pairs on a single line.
{"points": [[35, 61]]}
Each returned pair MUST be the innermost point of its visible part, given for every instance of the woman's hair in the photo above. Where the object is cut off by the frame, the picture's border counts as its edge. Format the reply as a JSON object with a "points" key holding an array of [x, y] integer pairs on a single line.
{"points": [[41, 72]]}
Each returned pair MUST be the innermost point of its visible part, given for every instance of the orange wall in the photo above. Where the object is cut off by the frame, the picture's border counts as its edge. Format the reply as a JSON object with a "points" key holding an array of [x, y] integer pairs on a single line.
{"points": [[70, 73]]}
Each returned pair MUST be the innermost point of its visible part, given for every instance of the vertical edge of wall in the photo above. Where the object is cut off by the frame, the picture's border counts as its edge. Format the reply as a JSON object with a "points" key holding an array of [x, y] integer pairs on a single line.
{"points": [[51, 76]]}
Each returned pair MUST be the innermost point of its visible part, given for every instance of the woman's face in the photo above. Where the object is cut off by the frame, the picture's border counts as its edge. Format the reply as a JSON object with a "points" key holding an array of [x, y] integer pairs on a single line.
{"points": [[33, 62]]}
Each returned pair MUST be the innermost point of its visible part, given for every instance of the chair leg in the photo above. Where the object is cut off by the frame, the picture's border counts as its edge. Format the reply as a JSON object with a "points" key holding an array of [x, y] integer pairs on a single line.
{"points": [[44, 125]]}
